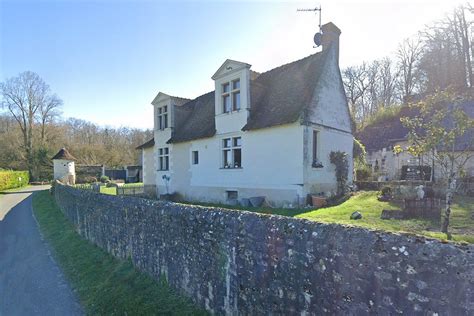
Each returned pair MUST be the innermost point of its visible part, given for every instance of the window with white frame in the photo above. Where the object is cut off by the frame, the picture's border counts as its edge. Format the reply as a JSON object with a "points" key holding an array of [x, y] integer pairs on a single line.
{"points": [[163, 159], [162, 117], [232, 152], [195, 157], [231, 96]]}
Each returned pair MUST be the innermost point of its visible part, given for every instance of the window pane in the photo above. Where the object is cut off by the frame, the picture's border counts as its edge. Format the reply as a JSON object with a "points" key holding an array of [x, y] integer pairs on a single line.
{"points": [[237, 158], [161, 163], [159, 110], [315, 146], [226, 103], [225, 87], [227, 162], [160, 122], [227, 143], [165, 109], [236, 84], [160, 151], [165, 119], [167, 162], [232, 195], [237, 141], [166, 151], [236, 100], [195, 157]]}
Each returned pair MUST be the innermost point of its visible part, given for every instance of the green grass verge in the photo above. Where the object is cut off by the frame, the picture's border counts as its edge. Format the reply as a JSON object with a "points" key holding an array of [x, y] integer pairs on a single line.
{"points": [[104, 284]]}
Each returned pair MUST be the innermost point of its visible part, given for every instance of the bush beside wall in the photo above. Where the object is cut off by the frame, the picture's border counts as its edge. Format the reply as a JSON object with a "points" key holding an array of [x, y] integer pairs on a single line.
{"points": [[13, 179], [235, 262]]}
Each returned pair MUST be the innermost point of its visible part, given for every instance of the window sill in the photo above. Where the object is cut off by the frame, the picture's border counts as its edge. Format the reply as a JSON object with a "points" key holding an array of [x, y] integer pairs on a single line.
{"points": [[238, 168], [163, 170], [317, 165], [231, 112]]}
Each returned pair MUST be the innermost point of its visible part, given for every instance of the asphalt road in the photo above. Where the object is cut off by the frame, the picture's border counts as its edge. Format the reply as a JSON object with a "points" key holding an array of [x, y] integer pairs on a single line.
{"points": [[31, 282]]}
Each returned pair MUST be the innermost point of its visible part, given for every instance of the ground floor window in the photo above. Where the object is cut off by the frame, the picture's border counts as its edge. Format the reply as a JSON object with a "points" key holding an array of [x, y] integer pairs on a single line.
{"points": [[232, 152], [232, 195], [195, 157], [163, 158]]}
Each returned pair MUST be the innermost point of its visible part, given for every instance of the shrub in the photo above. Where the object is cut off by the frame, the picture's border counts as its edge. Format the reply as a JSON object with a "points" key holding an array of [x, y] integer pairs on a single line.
{"points": [[13, 179], [386, 191], [363, 174], [104, 179], [339, 159], [86, 179]]}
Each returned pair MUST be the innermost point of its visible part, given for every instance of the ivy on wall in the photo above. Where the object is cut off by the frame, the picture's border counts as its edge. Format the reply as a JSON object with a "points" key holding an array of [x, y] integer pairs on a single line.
{"points": [[340, 160]]}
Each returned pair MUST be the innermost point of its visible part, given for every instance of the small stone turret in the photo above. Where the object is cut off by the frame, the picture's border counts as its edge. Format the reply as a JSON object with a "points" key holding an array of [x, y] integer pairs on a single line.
{"points": [[64, 168]]}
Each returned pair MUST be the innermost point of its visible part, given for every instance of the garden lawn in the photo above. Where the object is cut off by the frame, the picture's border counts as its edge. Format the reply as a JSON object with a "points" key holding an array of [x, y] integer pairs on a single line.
{"points": [[462, 225], [104, 284]]}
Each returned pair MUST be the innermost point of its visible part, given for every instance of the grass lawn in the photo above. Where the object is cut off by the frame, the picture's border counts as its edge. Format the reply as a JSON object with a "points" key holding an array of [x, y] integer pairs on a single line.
{"points": [[104, 284], [106, 190], [462, 226]]}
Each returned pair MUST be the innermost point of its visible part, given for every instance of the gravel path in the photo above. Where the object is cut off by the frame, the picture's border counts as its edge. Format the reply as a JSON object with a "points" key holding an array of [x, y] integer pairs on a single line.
{"points": [[31, 282]]}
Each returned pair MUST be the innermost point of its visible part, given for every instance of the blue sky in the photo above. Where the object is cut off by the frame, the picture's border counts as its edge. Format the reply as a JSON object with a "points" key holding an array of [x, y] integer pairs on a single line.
{"points": [[108, 59]]}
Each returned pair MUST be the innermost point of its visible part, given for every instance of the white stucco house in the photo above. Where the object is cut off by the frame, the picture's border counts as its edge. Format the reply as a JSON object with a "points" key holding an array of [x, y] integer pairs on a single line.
{"points": [[257, 134]]}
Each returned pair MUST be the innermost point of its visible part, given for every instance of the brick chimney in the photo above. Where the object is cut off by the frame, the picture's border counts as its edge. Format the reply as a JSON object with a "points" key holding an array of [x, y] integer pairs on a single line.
{"points": [[330, 37]]}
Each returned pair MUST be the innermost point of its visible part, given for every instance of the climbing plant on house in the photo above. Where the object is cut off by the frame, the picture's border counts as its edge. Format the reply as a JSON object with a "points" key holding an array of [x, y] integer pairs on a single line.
{"points": [[340, 160]]}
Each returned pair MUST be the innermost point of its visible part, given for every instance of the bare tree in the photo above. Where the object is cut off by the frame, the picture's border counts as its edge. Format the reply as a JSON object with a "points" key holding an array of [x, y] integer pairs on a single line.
{"points": [[48, 112], [408, 57], [448, 53], [355, 84], [24, 97]]}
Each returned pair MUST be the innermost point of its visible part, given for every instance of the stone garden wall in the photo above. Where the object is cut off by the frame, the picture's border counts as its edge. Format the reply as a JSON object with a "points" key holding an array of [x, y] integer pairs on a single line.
{"points": [[233, 262]]}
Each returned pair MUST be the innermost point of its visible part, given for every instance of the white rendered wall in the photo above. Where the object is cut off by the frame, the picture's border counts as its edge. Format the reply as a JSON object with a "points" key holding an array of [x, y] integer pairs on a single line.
{"points": [[271, 165], [323, 180], [63, 169], [149, 166]]}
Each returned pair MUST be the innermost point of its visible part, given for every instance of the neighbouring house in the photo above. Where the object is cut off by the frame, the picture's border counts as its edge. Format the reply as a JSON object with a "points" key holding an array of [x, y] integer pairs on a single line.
{"points": [[63, 166], [381, 137], [257, 134]]}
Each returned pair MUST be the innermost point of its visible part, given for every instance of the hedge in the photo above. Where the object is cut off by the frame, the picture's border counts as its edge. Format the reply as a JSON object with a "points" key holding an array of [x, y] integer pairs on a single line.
{"points": [[13, 179]]}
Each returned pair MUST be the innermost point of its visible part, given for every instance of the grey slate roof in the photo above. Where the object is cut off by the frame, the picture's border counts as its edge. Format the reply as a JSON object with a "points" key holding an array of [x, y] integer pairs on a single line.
{"points": [[147, 144], [195, 119], [383, 133], [277, 97]]}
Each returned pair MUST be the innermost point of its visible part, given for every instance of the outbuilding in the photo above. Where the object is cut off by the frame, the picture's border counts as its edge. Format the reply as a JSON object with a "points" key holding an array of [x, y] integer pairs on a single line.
{"points": [[64, 168]]}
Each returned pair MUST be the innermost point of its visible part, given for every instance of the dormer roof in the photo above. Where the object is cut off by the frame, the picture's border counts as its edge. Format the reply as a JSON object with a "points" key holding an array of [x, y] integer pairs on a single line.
{"points": [[228, 67], [163, 96]]}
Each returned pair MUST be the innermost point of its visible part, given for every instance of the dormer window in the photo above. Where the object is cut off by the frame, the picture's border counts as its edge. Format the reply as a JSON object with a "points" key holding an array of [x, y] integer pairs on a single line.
{"points": [[231, 96], [162, 117]]}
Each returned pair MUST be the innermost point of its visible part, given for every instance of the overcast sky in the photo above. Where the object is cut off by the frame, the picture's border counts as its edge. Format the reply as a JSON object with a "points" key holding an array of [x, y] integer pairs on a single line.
{"points": [[108, 59]]}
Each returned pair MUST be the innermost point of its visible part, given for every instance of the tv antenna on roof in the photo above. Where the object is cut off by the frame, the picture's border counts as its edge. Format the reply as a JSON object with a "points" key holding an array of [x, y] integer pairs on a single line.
{"points": [[318, 36]]}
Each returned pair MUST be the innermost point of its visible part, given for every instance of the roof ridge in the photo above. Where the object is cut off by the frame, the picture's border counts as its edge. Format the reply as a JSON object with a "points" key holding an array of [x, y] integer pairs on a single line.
{"points": [[289, 64]]}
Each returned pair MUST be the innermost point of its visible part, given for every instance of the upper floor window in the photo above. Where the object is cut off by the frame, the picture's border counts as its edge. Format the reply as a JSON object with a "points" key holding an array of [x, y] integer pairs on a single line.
{"points": [[162, 117], [231, 96], [163, 159], [232, 152]]}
